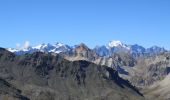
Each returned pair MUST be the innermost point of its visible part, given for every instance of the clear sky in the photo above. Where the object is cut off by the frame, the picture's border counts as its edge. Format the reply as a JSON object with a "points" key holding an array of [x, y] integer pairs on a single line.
{"points": [[94, 22]]}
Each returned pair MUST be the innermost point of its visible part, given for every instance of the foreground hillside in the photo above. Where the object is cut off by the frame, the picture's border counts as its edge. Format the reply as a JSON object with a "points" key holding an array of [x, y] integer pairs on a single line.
{"points": [[159, 90], [41, 76]]}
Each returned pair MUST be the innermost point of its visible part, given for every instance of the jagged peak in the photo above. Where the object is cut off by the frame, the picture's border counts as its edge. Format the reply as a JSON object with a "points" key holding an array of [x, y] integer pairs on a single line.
{"points": [[59, 44], [156, 47], [82, 45], [115, 43]]}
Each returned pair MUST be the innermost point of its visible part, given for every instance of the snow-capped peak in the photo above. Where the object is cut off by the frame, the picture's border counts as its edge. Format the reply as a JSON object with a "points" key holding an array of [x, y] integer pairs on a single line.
{"points": [[57, 44], [115, 43], [12, 50], [40, 46], [55, 48]]}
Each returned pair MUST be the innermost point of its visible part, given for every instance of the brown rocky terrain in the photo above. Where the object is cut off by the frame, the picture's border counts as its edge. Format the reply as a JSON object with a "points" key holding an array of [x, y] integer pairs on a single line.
{"points": [[143, 71], [42, 76]]}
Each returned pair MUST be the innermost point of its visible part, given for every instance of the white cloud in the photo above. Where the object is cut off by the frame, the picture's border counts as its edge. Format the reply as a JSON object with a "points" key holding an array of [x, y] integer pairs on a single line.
{"points": [[18, 46], [26, 44]]}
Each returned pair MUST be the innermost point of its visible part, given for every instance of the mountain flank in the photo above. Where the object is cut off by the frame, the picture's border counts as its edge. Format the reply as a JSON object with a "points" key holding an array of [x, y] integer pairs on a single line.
{"points": [[43, 76]]}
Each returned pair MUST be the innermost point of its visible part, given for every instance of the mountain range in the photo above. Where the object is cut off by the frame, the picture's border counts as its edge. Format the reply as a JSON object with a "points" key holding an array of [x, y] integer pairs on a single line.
{"points": [[105, 50], [145, 71], [42, 76]]}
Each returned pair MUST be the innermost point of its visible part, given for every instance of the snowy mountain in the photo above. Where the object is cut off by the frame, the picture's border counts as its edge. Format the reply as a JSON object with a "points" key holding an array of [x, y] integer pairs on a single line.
{"points": [[55, 48], [112, 47], [118, 47], [109, 49], [116, 43]]}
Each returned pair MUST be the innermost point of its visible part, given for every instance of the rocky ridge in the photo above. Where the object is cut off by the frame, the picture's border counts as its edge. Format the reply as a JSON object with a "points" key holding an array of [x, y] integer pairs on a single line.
{"points": [[43, 76]]}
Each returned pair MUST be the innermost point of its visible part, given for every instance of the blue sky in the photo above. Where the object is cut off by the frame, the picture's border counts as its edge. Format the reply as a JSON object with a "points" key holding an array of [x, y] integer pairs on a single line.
{"points": [[94, 22]]}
